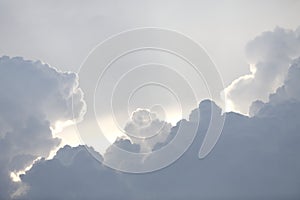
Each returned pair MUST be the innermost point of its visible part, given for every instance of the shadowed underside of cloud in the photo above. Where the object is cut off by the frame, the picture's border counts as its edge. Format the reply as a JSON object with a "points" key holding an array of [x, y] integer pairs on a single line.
{"points": [[33, 98], [256, 158]]}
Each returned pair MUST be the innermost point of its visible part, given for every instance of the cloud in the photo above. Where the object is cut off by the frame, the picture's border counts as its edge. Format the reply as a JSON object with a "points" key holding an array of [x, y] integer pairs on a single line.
{"points": [[34, 97], [256, 157], [143, 134], [146, 129], [286, 95], [81, 177], [269, 56]]}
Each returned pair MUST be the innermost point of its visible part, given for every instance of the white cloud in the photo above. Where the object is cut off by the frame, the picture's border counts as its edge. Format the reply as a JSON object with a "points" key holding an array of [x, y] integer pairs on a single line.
{"points": [[146, 129], [269, 56], [143, 132], [33, 98], [286, 95], [256, 157]]}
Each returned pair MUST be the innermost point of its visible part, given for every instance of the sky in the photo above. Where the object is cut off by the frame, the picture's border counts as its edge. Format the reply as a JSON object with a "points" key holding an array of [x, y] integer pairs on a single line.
{"points": [[62, 34], [136, 128]]}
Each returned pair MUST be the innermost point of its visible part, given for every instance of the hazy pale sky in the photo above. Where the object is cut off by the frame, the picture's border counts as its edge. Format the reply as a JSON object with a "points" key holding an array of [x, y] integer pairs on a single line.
{"points": [[256, 48], [62, 33]]}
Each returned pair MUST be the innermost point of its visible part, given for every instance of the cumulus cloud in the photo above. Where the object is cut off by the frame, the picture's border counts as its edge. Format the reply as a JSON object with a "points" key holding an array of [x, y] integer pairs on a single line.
{"points": [[289, 92], [269, 56], [143, 134], [146, 129], [256, 157], [34, 97]]}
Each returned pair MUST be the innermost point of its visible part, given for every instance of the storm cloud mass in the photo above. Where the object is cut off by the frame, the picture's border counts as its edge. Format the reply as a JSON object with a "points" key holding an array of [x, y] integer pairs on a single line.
{"points": [[256, 157]]}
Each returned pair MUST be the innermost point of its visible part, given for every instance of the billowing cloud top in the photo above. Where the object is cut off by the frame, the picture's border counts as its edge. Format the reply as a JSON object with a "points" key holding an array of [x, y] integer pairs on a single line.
{"points": [[269, 56], [146, 129]]}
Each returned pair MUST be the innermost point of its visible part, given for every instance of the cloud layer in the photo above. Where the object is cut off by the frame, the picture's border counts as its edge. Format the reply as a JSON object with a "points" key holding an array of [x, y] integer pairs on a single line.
{"points": [[256, 157]]}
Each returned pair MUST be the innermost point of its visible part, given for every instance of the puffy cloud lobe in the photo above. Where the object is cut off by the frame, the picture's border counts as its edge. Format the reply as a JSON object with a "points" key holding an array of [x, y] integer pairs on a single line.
{"points": [[146, 129], [269, 56], [33, 98], [289, 92], [144, 132]]}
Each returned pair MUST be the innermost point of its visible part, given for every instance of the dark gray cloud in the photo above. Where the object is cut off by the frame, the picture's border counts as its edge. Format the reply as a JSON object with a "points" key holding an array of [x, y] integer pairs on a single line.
{"points": [[33, 98], [256, 158], [81, 177]]}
